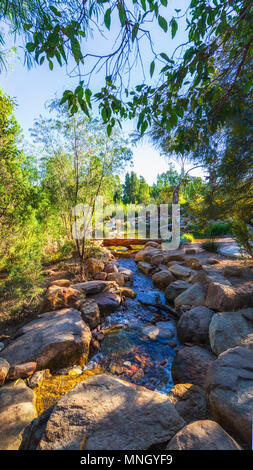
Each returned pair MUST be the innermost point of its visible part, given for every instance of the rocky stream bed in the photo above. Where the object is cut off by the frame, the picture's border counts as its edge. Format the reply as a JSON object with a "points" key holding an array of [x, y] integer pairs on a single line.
{"points": [[153, 351]]}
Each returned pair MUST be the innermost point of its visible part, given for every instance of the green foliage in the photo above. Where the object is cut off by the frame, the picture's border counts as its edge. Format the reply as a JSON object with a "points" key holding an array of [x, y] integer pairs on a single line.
{"points": [[217, 230], [243, 236], [210, 245], [187, 238]]}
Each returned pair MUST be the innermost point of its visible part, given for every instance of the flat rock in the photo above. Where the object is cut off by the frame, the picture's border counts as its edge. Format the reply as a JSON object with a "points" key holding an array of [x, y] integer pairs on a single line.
{"points": [[162, 279], [193, 325], [230, 392], [190, 365], [107, 302], [189, 401], [61, 283], [180, 272], [53, 339], [175, 289], [105, 413], [93, 287], [230, 329], [194, 295], [236, 271], [17, 410], [202, 435], [162, 330]]}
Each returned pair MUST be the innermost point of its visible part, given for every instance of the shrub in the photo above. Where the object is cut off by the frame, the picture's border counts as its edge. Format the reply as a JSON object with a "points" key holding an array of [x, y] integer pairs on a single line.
{"points": [[187, 237], [217, 230], [243, 236], [210, 245]]}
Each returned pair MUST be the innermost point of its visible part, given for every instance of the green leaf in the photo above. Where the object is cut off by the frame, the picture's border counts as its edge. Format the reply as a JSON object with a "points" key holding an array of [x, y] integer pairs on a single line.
{"points": [[163, 23], [144, 126], [152, 68], [122, 14], [165, 57], [107, 18], [55, 11], [174, 27], [135, 31], [30, 46], [109, 130], [88, 96], [51, 65], [164, 2]]}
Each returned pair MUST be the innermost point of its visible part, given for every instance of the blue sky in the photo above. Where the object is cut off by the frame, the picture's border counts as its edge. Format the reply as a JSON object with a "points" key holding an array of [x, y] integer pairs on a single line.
{"points": [[33, 88]]}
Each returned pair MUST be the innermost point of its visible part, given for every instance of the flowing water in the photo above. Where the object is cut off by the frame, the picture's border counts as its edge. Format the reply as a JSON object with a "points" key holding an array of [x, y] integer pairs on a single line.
{"points": [[128, 350]]}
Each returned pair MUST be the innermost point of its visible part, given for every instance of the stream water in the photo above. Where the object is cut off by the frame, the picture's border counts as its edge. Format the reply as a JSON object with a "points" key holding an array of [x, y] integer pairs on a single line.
{"points": [[139, 350]]}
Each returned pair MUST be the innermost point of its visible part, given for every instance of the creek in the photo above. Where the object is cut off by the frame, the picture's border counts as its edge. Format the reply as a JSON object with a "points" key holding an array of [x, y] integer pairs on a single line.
{"points": [[138, 348]]}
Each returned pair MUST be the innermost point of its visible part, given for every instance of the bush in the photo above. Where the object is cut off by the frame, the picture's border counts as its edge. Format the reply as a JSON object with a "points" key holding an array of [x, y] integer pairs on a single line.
{"points": [[217, 230], [243, 236], [187, 238], [210, 245]]}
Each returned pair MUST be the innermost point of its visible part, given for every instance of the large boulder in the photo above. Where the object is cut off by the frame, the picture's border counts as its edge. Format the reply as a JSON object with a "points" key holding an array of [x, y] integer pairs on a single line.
{"points": [[190, 365], [223, 297], [105, 413], [193, 263], [53, 340], [230, 392], [150, 253], [17, 410], [230, 329], [181, 272], [57, 297], [139, 256], [189, 401], [95, 265], [175, 289], [117, 277], [157, 259], [162, 279], [111, 268], [193, 325], [202, 435], [90, 312], [194, 295], [93, 287], [128, 275], [146, 268], [107, 302]]}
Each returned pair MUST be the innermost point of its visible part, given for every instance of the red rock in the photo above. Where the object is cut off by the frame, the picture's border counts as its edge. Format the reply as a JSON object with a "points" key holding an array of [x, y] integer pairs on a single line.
{"points": [[4, 368], [22, 371]]}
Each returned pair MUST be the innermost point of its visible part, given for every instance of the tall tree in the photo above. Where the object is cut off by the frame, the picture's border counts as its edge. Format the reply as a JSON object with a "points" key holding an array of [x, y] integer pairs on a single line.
{"points": [[78, 159]]}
